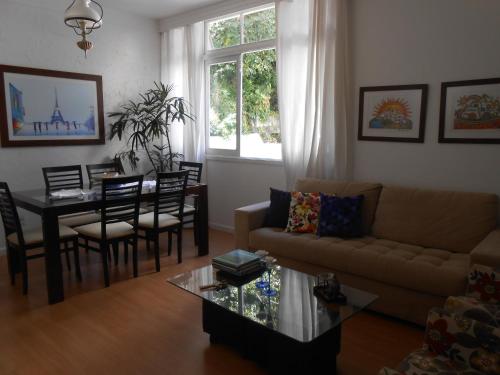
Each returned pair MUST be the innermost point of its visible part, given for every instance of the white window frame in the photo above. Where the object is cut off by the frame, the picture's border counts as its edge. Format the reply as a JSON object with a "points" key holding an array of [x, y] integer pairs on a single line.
{"points": [[231, 54]]}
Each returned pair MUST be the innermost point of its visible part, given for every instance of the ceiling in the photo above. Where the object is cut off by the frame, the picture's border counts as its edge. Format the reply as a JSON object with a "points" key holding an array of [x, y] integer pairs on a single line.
{"points": [[157, 8]]}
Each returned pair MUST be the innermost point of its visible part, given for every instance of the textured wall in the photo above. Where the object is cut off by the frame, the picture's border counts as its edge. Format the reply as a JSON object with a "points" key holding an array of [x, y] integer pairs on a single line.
{"points": [[426, 41], [126, 54]]}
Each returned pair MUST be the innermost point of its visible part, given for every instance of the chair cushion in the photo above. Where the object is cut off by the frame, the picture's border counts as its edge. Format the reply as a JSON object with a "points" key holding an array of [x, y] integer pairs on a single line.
{"points": [[147, 221], [484, 284], [422, 362], [488, 313], [428, 270], [371, 192], [115, 230], [75, 220], [454, 221], [34, 236]]}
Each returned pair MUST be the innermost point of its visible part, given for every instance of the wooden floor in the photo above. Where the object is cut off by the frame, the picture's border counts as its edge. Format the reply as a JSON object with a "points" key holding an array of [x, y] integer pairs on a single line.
{"points": [[146, 326]]}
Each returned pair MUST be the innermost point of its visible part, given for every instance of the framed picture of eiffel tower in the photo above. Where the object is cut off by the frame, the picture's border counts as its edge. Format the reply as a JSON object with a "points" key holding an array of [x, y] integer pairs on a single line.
{"points": [[50, 108]]}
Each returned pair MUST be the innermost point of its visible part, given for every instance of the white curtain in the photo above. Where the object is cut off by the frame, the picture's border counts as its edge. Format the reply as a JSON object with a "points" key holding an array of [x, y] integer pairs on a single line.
{"points": [[182, 65], [313, 88]]}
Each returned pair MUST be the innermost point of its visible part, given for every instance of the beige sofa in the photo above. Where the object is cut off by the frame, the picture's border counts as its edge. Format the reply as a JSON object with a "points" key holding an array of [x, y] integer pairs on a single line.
{"points": [[417, 248]]}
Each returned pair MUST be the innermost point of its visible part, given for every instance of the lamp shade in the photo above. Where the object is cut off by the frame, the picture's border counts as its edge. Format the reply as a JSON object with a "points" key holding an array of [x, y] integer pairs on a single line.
{"points": [[80, 12]]}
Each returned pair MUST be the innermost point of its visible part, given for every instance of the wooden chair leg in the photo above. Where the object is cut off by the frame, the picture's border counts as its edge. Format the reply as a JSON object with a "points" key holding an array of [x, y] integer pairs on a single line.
{"points": [[125, 251], [179, 245], [11, 262], [148, 244], [115, 251], [157, 251], [76, 251], [104, 255], [24, 270], [196, 230], [66, 253], [169, 243], [109, 252], [134, 257], [87, 246]]}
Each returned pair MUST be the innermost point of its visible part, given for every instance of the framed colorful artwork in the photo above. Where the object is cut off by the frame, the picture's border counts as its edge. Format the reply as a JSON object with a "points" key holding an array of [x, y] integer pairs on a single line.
{"points": [[50, 108], [470, 111], [392, 113]]}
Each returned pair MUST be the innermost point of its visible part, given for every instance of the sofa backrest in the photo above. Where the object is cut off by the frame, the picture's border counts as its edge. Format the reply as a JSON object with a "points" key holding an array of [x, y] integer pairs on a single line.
{"points": [[454, 221], [371, 191]]}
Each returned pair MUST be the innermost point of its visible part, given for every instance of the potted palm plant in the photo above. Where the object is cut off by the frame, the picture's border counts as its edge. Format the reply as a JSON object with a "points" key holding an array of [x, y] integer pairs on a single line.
{"points": [[145, 125]]}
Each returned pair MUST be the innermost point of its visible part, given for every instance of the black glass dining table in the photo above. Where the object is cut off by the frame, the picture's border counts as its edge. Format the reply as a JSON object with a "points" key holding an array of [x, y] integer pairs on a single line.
{"points": [[40, 203]]}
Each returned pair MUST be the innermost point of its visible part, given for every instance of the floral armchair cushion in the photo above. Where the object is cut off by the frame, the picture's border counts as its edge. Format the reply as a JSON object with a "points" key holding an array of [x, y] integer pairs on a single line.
{"points": [[488, 313], [303, 216], [463, 341], [484, 284], [422, 362]]}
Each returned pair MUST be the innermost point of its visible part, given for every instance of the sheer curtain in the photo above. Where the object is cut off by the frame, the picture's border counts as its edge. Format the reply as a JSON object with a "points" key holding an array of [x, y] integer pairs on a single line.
{"points": [[313, 88], [182, 65]]}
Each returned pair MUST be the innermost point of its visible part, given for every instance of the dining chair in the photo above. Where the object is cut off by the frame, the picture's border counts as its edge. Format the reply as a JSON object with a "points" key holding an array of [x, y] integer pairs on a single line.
{"points": [[191, 211], [68, 177], [119, 218], [20, 242], [167, 213], [95, 170]]}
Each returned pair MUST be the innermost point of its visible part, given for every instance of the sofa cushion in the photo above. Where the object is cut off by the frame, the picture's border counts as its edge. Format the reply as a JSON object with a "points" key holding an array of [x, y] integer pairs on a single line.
{"points": [[454, 221], [341, 217], [277, 215], [434, 271], [303, 216], [371, 192]]}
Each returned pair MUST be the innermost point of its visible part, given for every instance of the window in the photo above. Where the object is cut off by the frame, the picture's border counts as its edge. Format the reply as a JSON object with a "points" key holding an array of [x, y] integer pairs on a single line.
{"points": [[242, 96]]}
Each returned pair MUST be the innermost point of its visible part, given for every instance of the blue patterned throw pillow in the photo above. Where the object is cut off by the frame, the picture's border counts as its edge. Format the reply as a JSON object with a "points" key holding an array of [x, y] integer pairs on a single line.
{"points": [[341, 217]]}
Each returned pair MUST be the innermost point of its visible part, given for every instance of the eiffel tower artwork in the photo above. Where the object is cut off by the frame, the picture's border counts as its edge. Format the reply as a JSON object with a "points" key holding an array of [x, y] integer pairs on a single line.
{"points": [[56, 115]]}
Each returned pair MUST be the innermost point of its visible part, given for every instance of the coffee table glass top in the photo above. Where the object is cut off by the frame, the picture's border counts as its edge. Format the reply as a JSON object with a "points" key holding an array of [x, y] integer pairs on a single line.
{"points": [[294, 311]]}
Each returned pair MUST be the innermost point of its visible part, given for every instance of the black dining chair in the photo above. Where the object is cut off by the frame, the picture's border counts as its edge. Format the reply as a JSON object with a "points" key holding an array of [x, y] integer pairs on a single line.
{"points": [[96, 170], [68, 177], [119, 219], [166, 213], [20, 243], [191, 210]]}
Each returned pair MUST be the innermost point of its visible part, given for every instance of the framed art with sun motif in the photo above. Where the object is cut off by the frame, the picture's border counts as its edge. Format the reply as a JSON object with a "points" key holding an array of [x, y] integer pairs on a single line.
{"points": [[392, 113], [470, 111]]}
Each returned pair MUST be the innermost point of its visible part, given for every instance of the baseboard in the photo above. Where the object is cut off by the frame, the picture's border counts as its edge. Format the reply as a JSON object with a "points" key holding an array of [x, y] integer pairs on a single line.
{"points": [[221, 227]]}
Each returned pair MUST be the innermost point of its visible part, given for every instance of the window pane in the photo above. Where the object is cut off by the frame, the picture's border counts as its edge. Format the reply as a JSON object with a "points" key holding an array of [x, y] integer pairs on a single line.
{"points": [[224, 33], [222, 116], [259, 26], [261, 136]]}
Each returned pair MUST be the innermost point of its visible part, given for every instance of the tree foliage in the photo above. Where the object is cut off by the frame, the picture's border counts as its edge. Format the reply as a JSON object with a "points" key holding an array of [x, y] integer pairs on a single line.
{"points": [[259, 81]]}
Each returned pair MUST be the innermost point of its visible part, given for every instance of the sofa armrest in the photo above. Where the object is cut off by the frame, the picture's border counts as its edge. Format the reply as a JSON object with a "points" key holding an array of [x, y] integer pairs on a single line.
{"points": [[246, 219], [459, 337], [488, 251]]}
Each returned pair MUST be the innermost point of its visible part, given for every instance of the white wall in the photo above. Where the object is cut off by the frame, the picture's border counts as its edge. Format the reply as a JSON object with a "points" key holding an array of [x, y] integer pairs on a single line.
{"points": [[235, 184], [126, 54], [426, 41]]}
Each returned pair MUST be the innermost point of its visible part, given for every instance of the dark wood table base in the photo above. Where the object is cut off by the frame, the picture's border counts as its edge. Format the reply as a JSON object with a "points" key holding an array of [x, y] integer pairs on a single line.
{"points": [[273, 350]]}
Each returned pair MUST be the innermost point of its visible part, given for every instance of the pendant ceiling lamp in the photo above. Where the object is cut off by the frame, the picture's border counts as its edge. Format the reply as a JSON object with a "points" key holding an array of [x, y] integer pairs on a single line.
{"points": [[84, 16]]}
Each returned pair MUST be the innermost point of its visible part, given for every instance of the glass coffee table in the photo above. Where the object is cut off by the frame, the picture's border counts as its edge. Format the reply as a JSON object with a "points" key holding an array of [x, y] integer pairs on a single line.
{"points": [[282, 326]]}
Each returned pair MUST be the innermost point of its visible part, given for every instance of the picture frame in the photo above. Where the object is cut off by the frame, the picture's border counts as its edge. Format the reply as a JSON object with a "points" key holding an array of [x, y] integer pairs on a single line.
{"points": [[40, 107], [393, 113], [470, 111]]}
